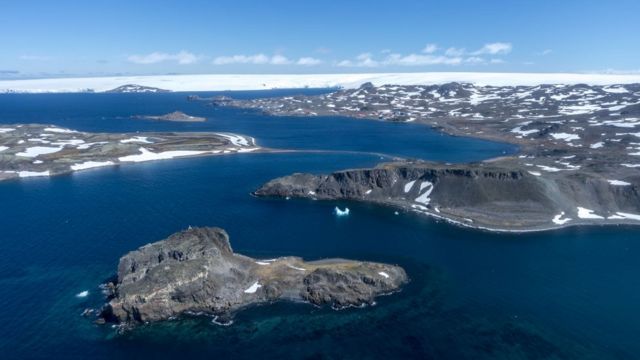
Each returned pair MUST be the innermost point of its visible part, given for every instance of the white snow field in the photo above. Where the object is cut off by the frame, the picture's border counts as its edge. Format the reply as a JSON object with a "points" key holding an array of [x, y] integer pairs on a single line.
{"points": [[213, 82]]}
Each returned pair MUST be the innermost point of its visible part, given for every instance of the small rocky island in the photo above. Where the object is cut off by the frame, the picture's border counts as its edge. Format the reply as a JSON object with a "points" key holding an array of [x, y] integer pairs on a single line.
{"points": [[33, 150], [177, 116], [196, 271]]}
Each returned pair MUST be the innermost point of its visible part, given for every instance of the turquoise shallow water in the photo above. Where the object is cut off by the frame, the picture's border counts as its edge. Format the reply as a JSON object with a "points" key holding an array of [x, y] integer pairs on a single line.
{"points": [[572, 293]]}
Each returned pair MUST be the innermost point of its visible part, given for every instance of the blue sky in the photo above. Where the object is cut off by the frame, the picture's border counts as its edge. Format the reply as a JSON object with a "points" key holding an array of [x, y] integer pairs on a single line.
{"points": [[68, 38]]}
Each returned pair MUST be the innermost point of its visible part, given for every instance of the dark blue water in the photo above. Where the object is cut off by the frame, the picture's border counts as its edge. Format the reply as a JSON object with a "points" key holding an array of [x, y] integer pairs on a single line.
{"points": [[572, 293]]}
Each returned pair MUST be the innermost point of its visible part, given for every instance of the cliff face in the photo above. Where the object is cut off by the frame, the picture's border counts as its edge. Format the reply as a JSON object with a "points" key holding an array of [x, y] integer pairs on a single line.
{"points": [[196, 271], [486, 195]]}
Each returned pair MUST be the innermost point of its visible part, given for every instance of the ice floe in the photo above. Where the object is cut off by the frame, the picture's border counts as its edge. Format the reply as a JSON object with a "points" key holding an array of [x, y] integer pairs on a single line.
{"points": [[82, 294], [3, 148], [340, 212]]}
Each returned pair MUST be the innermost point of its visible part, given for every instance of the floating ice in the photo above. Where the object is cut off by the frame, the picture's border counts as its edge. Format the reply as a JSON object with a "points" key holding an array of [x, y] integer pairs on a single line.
{"points": [[82, 294], [339, 212], [382, 273], [3, 148]]}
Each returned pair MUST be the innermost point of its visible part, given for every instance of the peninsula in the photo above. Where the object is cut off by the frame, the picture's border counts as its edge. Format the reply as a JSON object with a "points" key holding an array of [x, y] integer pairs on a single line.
{"points": [[579, 159], [196, 271], [32, 150]]}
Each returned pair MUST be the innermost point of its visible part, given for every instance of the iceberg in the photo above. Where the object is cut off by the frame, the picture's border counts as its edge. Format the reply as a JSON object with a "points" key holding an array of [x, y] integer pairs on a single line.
{"points": [[339, 212]]}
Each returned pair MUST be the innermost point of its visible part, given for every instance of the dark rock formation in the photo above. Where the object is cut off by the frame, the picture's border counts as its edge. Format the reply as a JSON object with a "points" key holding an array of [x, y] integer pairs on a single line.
{"points": [[495, 195], [177, 116], [196, 271]]}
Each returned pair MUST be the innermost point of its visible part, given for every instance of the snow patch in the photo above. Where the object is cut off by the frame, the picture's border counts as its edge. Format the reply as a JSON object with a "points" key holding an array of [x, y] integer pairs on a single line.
{"points": [[253, 288]]}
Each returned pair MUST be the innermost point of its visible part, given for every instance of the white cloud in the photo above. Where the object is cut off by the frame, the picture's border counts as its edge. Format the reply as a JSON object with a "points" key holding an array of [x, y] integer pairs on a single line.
{"points": [[420, 60], [34, 57], [497, 48], [308, 61], [455, 51], [183, 57], [279, 60], [362, 60], [474, 60], [262, 59], [242, 59], [544, 52], [496, 61], [430, 48]]}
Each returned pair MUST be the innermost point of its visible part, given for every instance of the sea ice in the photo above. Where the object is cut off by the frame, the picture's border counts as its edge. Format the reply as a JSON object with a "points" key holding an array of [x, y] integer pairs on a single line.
{"points": [[340, 212]]}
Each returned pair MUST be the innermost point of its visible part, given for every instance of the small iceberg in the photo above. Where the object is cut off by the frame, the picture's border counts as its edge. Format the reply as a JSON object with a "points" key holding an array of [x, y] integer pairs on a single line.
{"points": [[82, 294], [339, 212]]}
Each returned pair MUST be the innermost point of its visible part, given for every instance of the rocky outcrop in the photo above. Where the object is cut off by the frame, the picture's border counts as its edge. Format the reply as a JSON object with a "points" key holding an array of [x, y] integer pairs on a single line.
{"points": [[177, 116], [196, 271], [495, 195]]}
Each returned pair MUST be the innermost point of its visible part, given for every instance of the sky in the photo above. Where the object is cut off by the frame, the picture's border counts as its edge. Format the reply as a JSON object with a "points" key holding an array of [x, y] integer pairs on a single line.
{"points": [[100, 38]]}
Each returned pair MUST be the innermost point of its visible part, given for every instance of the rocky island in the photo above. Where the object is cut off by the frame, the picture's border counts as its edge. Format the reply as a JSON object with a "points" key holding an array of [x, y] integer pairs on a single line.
{"points": [[31, 150], [579, 159], [196, 271], [177, 116]]}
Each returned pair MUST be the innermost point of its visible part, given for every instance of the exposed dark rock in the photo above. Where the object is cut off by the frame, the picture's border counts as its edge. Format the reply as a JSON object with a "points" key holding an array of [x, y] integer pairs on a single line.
{"points": [[196, 271], [497, 195]]}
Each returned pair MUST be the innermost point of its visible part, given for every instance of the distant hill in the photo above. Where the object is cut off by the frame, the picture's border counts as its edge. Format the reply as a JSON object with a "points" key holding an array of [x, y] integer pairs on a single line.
{"points": [[133, 88]]}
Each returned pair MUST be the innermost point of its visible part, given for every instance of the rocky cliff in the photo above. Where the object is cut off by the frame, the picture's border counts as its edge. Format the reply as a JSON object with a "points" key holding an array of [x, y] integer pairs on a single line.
{"points": [[196, 271], [494, 195]]}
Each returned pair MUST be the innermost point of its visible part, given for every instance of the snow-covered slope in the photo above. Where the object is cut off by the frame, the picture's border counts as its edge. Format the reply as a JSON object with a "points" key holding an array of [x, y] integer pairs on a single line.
{"points": [[256, 82]]}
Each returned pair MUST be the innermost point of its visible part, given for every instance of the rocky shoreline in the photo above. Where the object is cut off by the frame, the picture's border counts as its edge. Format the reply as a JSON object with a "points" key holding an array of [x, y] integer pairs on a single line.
{"points": [[35, 150], [195, 271], [579, 160], [496, 196]]}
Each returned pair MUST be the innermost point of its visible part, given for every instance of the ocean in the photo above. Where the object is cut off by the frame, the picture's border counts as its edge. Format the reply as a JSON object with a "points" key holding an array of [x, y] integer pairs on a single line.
{"points": [[570, 293]]}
